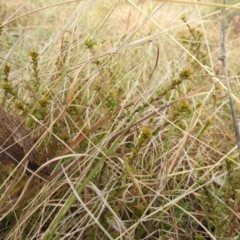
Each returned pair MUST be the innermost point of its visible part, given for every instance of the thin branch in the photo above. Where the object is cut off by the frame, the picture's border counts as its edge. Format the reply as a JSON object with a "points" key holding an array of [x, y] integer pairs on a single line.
{"points": [[222, 58]]}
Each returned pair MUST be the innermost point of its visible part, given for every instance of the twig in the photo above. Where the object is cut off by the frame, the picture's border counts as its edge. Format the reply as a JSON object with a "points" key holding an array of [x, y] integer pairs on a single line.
{"points": [[222, 58]]}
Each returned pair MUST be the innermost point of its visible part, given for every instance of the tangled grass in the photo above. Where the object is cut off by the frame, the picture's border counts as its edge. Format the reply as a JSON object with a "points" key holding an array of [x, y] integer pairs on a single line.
{"points": [[128, 108]]}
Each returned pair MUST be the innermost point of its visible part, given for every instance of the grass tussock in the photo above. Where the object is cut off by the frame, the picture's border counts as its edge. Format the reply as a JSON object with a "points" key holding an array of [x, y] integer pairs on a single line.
{"points": [[128, 108]]}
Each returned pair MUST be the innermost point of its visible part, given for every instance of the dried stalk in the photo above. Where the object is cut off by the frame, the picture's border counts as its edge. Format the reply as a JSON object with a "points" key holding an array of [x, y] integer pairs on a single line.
{"points": [[222, 58]]}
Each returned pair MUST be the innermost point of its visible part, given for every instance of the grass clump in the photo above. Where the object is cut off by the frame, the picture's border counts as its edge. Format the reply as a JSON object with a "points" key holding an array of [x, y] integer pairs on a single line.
{"points": [[132, 118]]}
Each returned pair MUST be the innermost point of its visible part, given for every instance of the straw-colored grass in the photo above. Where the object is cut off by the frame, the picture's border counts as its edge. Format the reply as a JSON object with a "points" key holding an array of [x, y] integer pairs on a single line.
{"points": [[128, 107]]}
